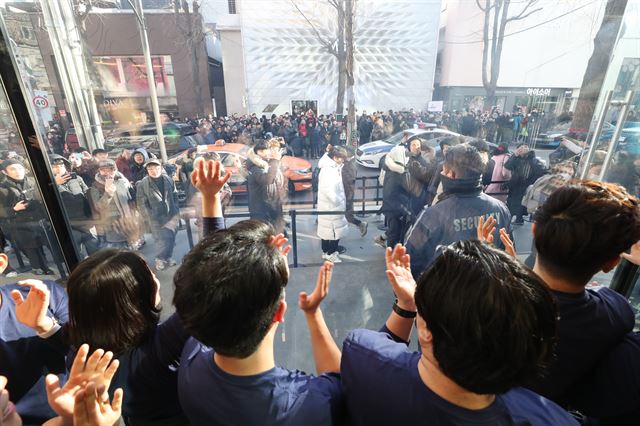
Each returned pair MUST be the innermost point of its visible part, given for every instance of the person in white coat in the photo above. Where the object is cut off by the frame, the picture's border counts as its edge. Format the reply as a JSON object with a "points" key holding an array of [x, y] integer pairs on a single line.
{"points": [[331, 197]]}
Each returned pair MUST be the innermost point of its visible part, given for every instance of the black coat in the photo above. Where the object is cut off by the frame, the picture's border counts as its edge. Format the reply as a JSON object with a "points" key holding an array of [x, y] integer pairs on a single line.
{"points": [[264, 197], [395, 193], [23, 225]]}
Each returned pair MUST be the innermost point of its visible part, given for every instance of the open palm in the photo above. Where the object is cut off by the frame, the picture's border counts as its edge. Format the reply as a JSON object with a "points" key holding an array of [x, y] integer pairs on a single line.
{"points": [[98, 369]]}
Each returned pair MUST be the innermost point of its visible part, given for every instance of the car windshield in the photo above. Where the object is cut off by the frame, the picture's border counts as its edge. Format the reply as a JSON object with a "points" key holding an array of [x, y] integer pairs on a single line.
{"points": [[395, 139]]}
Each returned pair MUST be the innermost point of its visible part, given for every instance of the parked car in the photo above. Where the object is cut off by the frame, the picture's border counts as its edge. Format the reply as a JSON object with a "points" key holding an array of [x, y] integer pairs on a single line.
{"points": [[370, 154], [551, 138], [177, 138], [233, 155]]}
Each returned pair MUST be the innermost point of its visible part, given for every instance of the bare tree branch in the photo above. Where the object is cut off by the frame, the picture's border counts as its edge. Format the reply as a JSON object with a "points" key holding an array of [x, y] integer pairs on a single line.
{"points": [[325, 43], [523, 13]]}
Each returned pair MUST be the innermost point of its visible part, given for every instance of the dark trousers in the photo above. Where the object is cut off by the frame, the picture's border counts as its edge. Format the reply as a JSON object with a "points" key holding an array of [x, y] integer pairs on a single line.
{"points": [[349, 213], [36, 257], [329, 246], [165, 240], [85, 239], [395, 229]]}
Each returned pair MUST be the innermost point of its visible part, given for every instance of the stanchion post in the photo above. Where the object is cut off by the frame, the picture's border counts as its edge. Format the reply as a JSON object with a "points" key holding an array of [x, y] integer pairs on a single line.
{"points": [[294, 237]]}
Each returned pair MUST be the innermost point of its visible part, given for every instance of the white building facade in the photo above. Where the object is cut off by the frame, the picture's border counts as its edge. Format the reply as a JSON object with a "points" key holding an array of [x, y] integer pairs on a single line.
{"points": [[273, 60]]}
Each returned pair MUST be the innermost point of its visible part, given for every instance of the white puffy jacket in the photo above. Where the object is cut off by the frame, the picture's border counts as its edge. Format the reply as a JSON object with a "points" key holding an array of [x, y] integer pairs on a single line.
{"points": [[331, 197]]}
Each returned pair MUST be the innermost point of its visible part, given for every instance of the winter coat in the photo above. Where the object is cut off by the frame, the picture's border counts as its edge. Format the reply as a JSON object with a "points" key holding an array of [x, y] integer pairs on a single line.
{"points": [[525, 170], [124, 166], [158, 208], [138, 171], [420, 173], [76, 204], [264, 184], [109, 208], [500, 174], [454, 218], [395, 190], [331, 197], [23, 225], [349, 173]]}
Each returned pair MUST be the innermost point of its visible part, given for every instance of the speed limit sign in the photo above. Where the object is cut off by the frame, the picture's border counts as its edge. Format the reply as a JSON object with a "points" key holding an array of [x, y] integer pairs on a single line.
{"points": [[40, 101]]}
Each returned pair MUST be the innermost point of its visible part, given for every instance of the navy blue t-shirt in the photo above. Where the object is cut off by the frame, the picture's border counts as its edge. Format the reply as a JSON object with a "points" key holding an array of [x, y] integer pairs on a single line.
{"points": [[383, 387], [210, 396], [26, 358], [612, 390], [590, 324]]}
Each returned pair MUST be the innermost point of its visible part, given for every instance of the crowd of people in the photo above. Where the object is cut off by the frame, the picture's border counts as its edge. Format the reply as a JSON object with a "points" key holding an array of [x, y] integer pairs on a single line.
{"points": [[523, 346], [529, 343]]}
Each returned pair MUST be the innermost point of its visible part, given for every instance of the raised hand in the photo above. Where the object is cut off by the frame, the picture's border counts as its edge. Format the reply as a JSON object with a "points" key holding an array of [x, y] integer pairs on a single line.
{"points": [[399, 276], [509, 248], [310, 303], [91, 409], [206, 178], [486, 229], [8, 414], [99, 369], [279, 241], [634, 255], [129, 226], [32, 311]]}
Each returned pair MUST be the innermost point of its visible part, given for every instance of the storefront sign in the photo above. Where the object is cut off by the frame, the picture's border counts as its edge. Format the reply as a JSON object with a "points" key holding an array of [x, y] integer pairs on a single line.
{"points": [[538, 92]]}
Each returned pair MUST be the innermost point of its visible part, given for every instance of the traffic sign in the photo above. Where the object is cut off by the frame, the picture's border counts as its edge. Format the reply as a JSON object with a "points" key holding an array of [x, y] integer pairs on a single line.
{"points": [[40, 102]]}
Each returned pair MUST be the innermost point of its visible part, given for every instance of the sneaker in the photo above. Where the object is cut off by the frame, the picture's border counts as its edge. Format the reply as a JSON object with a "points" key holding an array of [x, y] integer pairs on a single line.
{"points": [[11, 274], [363, 228], [380, 241], [382, 227], [334, 257], [171, 262], [160, 265], [37, 271], [325, 256], [341, 249]]}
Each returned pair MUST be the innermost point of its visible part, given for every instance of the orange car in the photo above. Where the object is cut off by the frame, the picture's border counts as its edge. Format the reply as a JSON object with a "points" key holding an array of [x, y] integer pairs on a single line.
{"points": [[233, 155]]}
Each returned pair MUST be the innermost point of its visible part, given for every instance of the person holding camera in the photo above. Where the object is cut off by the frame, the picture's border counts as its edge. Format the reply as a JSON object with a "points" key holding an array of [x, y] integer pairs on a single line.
{"points": [[265, 182], [21, 207], [73, 191]]}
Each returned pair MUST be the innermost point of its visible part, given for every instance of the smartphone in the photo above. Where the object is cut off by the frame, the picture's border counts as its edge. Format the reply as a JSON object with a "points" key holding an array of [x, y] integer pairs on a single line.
{"points": [[73, 175]]}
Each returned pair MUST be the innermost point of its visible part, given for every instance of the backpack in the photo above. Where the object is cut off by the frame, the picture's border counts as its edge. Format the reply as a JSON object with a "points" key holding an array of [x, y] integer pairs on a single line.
{"points": [[541, 189]]}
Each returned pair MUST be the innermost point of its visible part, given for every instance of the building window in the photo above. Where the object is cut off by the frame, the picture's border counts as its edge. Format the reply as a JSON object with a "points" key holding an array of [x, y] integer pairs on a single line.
{"points": [[232, 6]]}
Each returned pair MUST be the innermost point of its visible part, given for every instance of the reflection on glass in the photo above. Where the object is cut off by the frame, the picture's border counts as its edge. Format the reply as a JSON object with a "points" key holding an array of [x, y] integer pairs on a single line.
{"points": [[25, 232]]}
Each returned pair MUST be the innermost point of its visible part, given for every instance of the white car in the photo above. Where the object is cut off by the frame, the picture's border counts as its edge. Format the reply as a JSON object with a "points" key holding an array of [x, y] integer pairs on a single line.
{"points": [[370, 154]]}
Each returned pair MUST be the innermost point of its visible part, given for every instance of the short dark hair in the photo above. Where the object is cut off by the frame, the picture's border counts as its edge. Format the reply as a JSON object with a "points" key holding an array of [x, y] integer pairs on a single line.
{"points": [[260, 146], [465, 161], [112, 297], [583, 225], [450, 141], [480, 145], [229, 288], [492, 319], [98, 151], [338, 151]]}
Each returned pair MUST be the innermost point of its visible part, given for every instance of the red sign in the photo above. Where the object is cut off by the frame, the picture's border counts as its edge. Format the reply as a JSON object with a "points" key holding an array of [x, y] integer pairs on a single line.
{"points": [[40, 101]]}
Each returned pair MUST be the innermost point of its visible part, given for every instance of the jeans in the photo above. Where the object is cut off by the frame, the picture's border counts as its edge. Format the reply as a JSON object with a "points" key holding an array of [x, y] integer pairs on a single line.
{"points": [[165, 240], [85, 239], [329, 246]]}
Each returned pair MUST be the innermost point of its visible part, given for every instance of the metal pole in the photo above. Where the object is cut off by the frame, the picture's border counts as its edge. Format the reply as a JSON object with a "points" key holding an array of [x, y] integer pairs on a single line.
{"points": [[150, 78], [294, 237], [616, 134], [596, 134], [364, 187], [64, 63]]}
